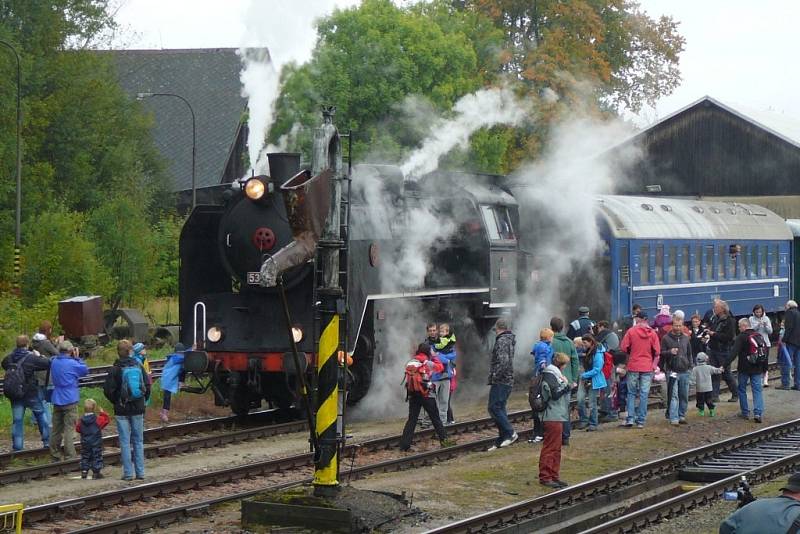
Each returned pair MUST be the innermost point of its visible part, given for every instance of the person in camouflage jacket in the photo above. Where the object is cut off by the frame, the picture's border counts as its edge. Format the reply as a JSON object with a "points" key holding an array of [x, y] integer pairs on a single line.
{"points": [[501, 380]]}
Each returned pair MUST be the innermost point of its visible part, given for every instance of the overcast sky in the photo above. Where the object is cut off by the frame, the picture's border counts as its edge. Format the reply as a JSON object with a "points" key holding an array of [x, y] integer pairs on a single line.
{"points": [[741, 52]]}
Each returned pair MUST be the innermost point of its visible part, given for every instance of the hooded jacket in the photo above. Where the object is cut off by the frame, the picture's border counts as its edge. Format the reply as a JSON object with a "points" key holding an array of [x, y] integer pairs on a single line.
{"points": [[501, 368], [701, 374], [113, 387], [542, 355], [32, 364], [563, 344], [678, 363], [434, 367], [643, 347], [90, 427], [557, 400], [596, 372], [445, 349]]}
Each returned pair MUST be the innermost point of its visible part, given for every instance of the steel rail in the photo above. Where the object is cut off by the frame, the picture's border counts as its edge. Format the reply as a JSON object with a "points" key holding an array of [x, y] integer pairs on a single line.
{"points": [[527, 510]]}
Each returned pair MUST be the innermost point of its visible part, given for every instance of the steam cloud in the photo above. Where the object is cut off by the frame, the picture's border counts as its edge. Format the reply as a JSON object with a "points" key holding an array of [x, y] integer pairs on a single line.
{"points": [[288, 30], [484, 108]]}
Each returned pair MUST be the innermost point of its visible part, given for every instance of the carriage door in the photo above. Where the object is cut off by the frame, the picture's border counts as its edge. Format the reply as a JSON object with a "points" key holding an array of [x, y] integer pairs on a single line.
{"points": [[621, 298]]}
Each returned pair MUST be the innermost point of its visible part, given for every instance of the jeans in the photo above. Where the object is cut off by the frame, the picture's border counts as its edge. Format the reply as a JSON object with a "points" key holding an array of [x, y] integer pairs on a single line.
{"points": [[131, 434], [592, 420], [786, 361], [566, 429], [758, 400], [794, 354], [720, 359], [46, 407], [581, 401], [638, 386], [679, 401], [608, 400], [498, 397], [443, 398], [18, 425]]}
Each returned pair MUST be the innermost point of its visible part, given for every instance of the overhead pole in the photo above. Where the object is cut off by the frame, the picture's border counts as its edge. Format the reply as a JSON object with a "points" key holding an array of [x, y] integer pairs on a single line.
{"points": [[18, 214]]}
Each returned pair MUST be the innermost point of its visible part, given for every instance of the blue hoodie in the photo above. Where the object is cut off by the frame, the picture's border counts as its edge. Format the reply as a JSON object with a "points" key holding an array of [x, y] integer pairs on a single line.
{"points": [[542, 356], [596, 372]]}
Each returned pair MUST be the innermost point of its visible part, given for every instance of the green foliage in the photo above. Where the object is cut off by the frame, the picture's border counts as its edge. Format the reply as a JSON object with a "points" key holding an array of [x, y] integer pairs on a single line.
{"points": [[165, 235], [17, 317]]}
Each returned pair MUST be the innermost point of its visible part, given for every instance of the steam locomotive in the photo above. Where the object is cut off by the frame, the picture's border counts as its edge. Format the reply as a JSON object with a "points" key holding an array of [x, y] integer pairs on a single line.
{"points": [[239, 326]]}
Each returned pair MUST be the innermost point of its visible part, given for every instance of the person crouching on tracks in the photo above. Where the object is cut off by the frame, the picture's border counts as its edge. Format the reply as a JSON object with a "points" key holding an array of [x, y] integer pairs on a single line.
{"points": [[90, 427], [127, 387], [750, 349], [701, 376], [421, 394], [778, 515], [65, 369], [501, 381], [556, 396]]}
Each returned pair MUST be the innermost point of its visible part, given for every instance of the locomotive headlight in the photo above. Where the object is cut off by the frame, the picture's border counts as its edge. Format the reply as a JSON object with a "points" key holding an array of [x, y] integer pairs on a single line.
{"points": [[255, 188], [215, 334], [297, 334]]}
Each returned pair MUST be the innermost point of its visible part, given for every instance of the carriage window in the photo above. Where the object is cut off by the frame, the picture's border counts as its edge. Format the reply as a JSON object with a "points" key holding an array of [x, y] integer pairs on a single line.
{"points": [[762, 265], [672, 264], [709, 262], [659, 274], [698, 261], [753, 272], [774, 261], [685, 263], [644, 263], [722, 262], [624, 266], [740, 263]]}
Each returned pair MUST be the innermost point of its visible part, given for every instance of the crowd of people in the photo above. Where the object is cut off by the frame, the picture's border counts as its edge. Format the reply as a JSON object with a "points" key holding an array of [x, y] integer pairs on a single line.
{"points": [[43, 374]]}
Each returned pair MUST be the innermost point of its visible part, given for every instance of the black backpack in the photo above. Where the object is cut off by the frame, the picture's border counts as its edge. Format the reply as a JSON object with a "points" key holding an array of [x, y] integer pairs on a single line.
{"points": [[535, 399], [15, 384], [756, 349]]}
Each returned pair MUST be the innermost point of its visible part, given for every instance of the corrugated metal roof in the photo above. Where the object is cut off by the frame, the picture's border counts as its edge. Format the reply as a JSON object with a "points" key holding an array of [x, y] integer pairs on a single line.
{"points": [[209, 79], [632, 217]]}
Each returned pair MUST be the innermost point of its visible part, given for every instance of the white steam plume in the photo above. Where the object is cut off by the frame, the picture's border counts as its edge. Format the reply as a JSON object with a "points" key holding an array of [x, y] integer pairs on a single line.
{"points": [[287, 29], [557, 198], [484, 108]]}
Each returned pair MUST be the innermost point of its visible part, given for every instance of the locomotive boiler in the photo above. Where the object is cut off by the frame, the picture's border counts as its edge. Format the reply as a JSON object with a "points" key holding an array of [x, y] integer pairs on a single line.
{"points": [[466, 271]]}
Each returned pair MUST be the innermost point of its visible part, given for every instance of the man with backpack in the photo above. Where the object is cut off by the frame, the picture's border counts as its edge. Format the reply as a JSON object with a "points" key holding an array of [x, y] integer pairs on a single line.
{"points": [[420, 394], [751, 350], [20, 387], [128, 388]]}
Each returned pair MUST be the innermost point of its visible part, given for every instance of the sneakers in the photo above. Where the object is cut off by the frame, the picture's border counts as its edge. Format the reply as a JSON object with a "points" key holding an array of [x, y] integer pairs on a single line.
{"points": [[536, 439], [757, 419], [701, 412], [712, 412], [640, 425], [84, 474], [551, 484], [96, 476], [127, 479], [674, 423], [743, 416], [581, 425], [447, 443], [626, 425], [164, 416], [683, 421], [561, 483], [492, 448], [510, 440], [139, 477], [734, 398], [591, 429]]}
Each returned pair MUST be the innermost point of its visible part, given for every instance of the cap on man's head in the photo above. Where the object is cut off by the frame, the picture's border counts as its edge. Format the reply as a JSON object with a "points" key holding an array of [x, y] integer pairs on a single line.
{"points": [[583, 309], [793, 484], [641, 314], [39, 337], [65, 346], [138, 347]]}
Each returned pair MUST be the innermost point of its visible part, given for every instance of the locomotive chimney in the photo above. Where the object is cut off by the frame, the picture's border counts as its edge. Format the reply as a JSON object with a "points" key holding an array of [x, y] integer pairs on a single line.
{"points": [[307, 200], [283, 165]]}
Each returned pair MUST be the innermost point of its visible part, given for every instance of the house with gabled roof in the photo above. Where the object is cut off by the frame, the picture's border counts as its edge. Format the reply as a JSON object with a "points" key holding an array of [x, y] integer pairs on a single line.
{"points": [[208, 79], [711, 150]]}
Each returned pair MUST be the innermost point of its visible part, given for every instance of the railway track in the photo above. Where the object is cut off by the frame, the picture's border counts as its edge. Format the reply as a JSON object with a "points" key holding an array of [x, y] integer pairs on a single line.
{"points": [[632, 499], [97, 375]]}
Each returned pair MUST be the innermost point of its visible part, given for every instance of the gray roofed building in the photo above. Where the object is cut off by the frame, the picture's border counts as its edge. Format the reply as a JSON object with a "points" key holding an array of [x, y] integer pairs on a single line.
{"points": [[209, 80]]}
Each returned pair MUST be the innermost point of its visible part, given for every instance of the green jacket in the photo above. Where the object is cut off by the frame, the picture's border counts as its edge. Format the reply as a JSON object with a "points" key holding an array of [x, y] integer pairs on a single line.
{"points": [[557, 401], [561, 343]]}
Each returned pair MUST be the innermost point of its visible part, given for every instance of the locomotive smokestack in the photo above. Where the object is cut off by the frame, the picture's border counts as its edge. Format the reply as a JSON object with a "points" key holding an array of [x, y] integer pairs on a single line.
{"points": [[307, 200]]}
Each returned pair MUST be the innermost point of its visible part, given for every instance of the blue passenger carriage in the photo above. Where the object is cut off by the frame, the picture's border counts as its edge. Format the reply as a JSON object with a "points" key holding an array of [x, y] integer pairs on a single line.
{"points": [[687, 252]]}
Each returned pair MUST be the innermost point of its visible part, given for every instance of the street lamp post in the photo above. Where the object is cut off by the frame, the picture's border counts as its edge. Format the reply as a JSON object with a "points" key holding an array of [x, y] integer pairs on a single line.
{"points": [[141, 96], [17, 234]]}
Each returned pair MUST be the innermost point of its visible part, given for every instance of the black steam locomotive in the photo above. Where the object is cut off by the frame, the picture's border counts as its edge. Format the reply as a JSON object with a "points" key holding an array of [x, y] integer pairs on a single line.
{"points": [[399, 263]]}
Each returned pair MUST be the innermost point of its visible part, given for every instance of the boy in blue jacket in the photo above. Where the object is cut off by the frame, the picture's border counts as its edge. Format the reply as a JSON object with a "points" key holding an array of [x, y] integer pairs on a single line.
{"points": [[542, 353], [445, 349]]}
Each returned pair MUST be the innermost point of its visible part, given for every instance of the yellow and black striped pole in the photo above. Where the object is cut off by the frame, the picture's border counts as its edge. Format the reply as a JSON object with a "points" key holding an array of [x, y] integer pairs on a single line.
{"points": [[17, 270], [326, 461]]}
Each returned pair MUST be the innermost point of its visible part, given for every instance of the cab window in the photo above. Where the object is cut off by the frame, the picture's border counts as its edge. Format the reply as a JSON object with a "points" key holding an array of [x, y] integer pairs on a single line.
{"points": [[498, 222]]}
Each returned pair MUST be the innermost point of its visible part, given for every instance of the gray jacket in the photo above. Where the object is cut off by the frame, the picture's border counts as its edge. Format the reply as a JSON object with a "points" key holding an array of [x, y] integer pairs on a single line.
{"points": [[501, 368], [764, 516], [681, 362], [701, 376], [558, 400]]}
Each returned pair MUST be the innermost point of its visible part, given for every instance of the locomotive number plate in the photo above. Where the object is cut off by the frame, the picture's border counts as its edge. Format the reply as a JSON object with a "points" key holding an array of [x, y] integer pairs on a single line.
{"points": [[253, 278]]}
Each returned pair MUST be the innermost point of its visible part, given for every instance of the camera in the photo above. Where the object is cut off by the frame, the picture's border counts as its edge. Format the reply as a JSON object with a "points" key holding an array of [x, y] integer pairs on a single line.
{"points": [[742, 493]]}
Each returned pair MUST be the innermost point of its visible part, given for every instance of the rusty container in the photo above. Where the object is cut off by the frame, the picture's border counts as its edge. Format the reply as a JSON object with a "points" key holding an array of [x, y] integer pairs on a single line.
{"points": [[81, 316]]}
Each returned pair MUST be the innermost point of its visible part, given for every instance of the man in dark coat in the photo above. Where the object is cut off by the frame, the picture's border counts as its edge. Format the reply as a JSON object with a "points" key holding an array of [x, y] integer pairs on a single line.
{"points": [[501, 380], [791, 338], [31, 400], [582, 325], [722, 330], [748, 372]]}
